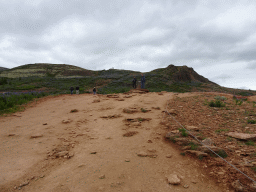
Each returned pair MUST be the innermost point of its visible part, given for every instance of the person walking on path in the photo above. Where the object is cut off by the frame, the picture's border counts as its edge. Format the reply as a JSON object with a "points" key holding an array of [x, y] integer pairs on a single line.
{"points": [[134, 82], [94, 91], [77, 90], [143, 80], [71, 89]]}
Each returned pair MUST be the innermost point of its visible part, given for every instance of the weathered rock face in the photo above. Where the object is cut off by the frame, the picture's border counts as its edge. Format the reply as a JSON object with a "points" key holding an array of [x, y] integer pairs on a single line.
{"points": [[173, 179], [242, 136]]}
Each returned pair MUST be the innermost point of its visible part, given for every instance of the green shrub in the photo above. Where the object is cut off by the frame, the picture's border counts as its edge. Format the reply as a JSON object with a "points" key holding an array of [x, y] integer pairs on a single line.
{"points": [[250, 143], [183, 132], [193, 146], [222, 153], [217, 103], [183, 154], [251, 121], [221, 98]]}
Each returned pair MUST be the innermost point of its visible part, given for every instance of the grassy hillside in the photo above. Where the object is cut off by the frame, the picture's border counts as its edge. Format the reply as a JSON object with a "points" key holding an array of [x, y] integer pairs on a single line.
{"points": [[2, 69], [58, 78]]}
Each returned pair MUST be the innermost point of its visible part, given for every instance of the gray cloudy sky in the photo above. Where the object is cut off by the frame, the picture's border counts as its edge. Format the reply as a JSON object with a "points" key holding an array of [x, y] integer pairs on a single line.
{"points": [[215, 37]]}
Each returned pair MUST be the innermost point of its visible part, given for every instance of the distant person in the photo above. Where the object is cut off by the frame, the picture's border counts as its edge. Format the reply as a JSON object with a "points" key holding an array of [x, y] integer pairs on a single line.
{"points": [[77, 90], [134, 82], [94, 91], [71, 89], [143, 80]]}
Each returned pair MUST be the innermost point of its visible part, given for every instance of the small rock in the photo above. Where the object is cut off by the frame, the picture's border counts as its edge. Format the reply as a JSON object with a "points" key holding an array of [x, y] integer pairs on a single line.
{"points": [[169, 156], [197, 153], [24, 184], [81, 165], [237, 186], [242, 136], [173, 179], [192, 128], [71, 154], [142, 154], [66, 121], [207, 141], [94, 152], [102, 177], [36, 136], [152, 150], [186, 186], [11, 134], [42, 176], [127, 160], [45, 124], [61, 154], [193, 181], [149, 141]]}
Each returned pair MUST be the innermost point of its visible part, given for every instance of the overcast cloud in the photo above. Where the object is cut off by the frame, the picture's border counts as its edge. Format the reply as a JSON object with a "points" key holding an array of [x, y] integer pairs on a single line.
{"points": [[216, 38]]}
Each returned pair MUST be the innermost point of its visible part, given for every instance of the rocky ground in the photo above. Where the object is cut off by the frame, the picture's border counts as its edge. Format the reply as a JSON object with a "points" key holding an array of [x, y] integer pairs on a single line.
{"points": [[122, 142], [230, 131]]}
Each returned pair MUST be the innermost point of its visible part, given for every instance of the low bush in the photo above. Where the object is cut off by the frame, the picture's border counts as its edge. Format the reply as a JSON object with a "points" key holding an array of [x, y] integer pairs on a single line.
{"points": [[249, 121], [183, 132], [217, 103]]}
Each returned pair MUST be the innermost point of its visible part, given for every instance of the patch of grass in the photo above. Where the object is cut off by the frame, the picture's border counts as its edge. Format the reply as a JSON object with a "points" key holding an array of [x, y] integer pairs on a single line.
{"points": [[200, 157], [193, 146], [183, 132], [229, 139], [217, 103], [143, 110], [249, 121], [238, 102], [172, 139], [254, 169], [221, 130], [183, 154], [251, 143], [222, 153]]}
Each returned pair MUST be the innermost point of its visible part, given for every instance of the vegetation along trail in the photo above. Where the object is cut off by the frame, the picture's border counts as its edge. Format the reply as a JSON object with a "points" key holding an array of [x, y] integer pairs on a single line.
{"points": [[95, 143]]}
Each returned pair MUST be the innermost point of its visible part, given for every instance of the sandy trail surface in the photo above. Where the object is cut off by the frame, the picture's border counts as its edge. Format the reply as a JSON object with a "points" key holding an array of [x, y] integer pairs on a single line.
{"points": [[86, 150]]}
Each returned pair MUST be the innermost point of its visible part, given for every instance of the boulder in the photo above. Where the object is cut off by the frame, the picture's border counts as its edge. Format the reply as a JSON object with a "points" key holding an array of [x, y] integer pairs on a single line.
{"points": [[173, 179], [242, 136]]}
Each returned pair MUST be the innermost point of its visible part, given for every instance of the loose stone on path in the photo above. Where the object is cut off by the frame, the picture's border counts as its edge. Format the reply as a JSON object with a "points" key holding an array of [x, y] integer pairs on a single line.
{"points": [[173, 179]]}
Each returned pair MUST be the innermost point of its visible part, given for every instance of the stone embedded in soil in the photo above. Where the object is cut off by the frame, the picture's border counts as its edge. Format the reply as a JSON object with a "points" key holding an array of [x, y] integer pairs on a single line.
{"points": [[127, 160], [93, 152], [36, 136], [45, 124], [197, 153], [149, 141], [237, 186], [168, 156], [152, 150], [242, 136], [11, 134], [61, 154], [142, 154], [173, 179], [102, 177], [186, 186], [24, 184], [192, 128], [66, 121], [207, 141]]}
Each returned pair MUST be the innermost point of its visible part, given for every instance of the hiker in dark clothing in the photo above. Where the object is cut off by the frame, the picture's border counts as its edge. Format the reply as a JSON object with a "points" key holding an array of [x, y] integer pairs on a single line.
{"points": [[143, 80], [77, 90], [94, 91], [134, 82], [71, 89]]}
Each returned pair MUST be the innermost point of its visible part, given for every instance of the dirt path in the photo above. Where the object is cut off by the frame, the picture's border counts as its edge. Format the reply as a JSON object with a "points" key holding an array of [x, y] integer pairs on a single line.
{"points": [[23, 158]]}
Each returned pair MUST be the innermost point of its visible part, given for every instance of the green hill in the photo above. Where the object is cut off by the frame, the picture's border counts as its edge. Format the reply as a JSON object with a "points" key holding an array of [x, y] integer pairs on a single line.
{"points": [[58, 78]]}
